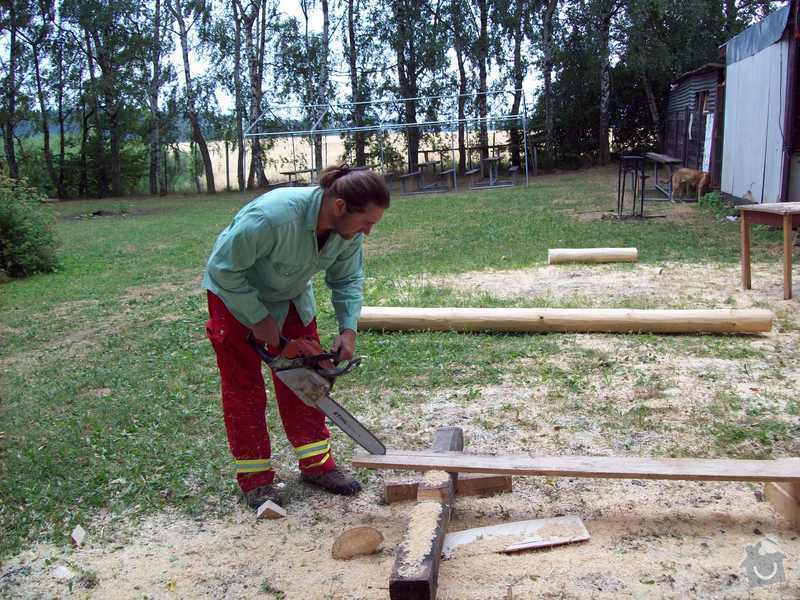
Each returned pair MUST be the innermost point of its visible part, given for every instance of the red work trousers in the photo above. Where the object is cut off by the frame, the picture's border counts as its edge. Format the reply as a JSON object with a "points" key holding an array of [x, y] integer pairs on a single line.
{"points": [[244, 401]]}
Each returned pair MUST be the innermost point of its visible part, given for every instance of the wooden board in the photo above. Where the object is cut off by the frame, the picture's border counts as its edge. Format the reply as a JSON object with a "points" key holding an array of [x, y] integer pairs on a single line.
{"points": [[614, 467], [540, 320], [415, 575], [469, 484], [521, 535]]}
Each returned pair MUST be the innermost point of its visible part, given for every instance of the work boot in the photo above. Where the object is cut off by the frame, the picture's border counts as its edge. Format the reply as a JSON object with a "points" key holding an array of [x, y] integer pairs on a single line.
{"points": [[257, 496], [335, 481]]}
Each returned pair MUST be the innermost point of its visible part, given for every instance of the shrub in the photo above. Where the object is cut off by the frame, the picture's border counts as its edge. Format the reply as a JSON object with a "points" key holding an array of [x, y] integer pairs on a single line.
{"points": [[27, 237]]}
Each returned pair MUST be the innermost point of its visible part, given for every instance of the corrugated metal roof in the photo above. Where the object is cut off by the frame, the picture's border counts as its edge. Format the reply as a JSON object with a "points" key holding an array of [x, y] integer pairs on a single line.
{"points": [[706, 68], [757, 37], [683, 94]]}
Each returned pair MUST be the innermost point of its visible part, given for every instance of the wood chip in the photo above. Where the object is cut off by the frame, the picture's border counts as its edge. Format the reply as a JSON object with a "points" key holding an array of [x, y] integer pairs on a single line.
{"points": [[359, 541], [77, 536], [270, 510]]}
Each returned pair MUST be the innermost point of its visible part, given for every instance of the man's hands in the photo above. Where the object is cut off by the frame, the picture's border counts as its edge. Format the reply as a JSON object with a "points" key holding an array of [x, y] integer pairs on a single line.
{"points": [[344, 344], [266, 330]]}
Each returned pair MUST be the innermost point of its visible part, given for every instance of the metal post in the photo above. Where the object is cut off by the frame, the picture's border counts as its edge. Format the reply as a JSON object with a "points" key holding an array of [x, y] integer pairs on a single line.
{"points": [[453, 165]]}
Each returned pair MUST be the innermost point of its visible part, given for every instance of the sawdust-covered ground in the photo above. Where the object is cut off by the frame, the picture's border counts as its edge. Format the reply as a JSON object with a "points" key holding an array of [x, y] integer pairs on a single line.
{"points": [[629, 396]]}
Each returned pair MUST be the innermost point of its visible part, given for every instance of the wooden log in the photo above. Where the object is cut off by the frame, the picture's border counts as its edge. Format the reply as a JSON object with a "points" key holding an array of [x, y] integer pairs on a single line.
{"points": [[591, 255], [415, 575], [468, 484], [580, 320], [609, 467]]}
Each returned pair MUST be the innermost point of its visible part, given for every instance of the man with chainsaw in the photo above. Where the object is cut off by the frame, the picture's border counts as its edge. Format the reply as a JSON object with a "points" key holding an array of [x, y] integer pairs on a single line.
{"points": [[258, 279]]}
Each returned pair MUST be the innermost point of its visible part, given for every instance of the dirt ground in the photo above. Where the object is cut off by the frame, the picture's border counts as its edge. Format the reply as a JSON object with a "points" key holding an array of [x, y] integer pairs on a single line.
{"points": [[649, 538]]}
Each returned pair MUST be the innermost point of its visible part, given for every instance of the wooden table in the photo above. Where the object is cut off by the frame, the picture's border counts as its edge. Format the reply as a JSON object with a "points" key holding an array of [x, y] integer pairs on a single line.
{"points": [[775, 214], [294, 174], [659, 160], [491, 163]]}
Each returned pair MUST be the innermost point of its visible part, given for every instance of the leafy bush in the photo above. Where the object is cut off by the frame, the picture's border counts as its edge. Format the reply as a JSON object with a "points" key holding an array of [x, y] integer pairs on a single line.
{"points": [[713, 203], [27, 237]]}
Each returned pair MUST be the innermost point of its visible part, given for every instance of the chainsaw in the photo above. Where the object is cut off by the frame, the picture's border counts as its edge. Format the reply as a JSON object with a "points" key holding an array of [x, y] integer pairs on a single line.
{"points": [[312, 383]]}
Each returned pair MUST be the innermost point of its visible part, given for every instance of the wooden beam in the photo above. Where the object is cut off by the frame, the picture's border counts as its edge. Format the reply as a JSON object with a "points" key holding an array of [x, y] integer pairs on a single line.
{"points": [[592, 320], [785, 499], [415, 575], [591, 255], [613, 467], [468, 484]]}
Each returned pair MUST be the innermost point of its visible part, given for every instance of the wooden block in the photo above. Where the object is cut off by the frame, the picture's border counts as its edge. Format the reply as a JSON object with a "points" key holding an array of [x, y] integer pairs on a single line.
{"points": [[784, 502], [270, 510], [359, 541], [77, 536], [415, 575], [610, 467], [435, 486], [468, 484]]}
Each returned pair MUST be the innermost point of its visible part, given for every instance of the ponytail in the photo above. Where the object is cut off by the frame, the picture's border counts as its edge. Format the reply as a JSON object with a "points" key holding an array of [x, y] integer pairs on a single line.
{"points": [[357, 187]]}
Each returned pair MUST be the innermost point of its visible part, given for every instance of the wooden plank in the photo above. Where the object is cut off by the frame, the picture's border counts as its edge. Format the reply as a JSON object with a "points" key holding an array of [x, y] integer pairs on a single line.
{"points": [[538, 320], [591, 255], [745, 235], [613, 467], [415, 575], [468, 484], [784, 502]]}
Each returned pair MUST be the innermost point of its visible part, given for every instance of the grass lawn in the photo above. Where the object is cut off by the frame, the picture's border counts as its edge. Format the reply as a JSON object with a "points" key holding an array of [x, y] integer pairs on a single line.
{"points": [[109, 390]]}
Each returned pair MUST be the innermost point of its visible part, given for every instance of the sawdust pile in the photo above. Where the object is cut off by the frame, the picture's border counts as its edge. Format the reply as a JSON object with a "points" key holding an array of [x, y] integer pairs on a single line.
{"points": [[417, 543]]}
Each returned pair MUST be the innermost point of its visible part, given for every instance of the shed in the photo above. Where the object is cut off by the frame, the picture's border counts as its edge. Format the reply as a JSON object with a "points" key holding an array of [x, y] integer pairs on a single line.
{"points": [[691, 127], [760, 160]]}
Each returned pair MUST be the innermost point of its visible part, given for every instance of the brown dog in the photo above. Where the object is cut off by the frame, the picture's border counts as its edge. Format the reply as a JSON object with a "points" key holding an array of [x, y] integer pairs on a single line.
{"points": [[683, 179]]}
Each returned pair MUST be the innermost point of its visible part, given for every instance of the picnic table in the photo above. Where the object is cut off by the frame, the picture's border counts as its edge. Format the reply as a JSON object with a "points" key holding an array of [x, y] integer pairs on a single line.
{"points": [[428, 164], [661, 160], [491, 163], [295, 173], [777, 214]]}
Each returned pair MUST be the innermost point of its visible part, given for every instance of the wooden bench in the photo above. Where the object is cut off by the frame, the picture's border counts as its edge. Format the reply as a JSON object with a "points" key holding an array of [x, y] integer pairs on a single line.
{"points": [[451, 177], [658, 161], [514, 172], [417, 175]]}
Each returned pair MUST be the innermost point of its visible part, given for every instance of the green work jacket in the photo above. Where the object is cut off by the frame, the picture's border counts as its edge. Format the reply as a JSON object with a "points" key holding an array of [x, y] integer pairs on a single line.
{"points": [[268, 254]]}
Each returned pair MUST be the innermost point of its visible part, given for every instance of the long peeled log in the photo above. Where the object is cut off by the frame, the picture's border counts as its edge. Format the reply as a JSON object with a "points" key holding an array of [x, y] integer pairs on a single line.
{"points": [[591, 255], [587, 320]]}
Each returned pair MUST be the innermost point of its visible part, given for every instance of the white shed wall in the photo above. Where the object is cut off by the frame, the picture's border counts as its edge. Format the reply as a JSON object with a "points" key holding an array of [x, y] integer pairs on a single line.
{"points": [[755, 100]]}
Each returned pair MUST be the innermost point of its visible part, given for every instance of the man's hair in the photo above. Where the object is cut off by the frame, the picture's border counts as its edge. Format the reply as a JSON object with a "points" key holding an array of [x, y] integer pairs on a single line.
{"points": [[357, 187]]}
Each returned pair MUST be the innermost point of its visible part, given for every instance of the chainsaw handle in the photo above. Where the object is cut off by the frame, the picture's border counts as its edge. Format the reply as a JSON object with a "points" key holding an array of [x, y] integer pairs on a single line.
{"points": [[262, 350]]}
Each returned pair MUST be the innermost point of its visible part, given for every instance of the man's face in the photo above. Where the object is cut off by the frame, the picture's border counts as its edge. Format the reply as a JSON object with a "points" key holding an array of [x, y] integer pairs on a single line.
{"points": [[348, 225]]}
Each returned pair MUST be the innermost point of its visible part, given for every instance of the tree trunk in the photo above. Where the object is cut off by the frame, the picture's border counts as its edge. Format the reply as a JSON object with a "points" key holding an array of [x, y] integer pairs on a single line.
{"points": [[61, 116], [458, 46], [407, 79], [191, 109], [155, 118], [547, 60], [483, 55], [11, 93], [237, 79], [322, 88], [518, 75], [358, 109], [605, 88], [48, 155], [731, 13], [101, 173], [256, 176], [651, 104]]}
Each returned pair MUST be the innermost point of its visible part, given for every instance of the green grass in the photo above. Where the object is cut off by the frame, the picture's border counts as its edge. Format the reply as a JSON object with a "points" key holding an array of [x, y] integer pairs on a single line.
{"points": [[109, 390]]}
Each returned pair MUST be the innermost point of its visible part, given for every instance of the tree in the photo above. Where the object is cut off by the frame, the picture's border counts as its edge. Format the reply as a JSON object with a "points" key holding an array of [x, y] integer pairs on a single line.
{"points": [[186, 13]]}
